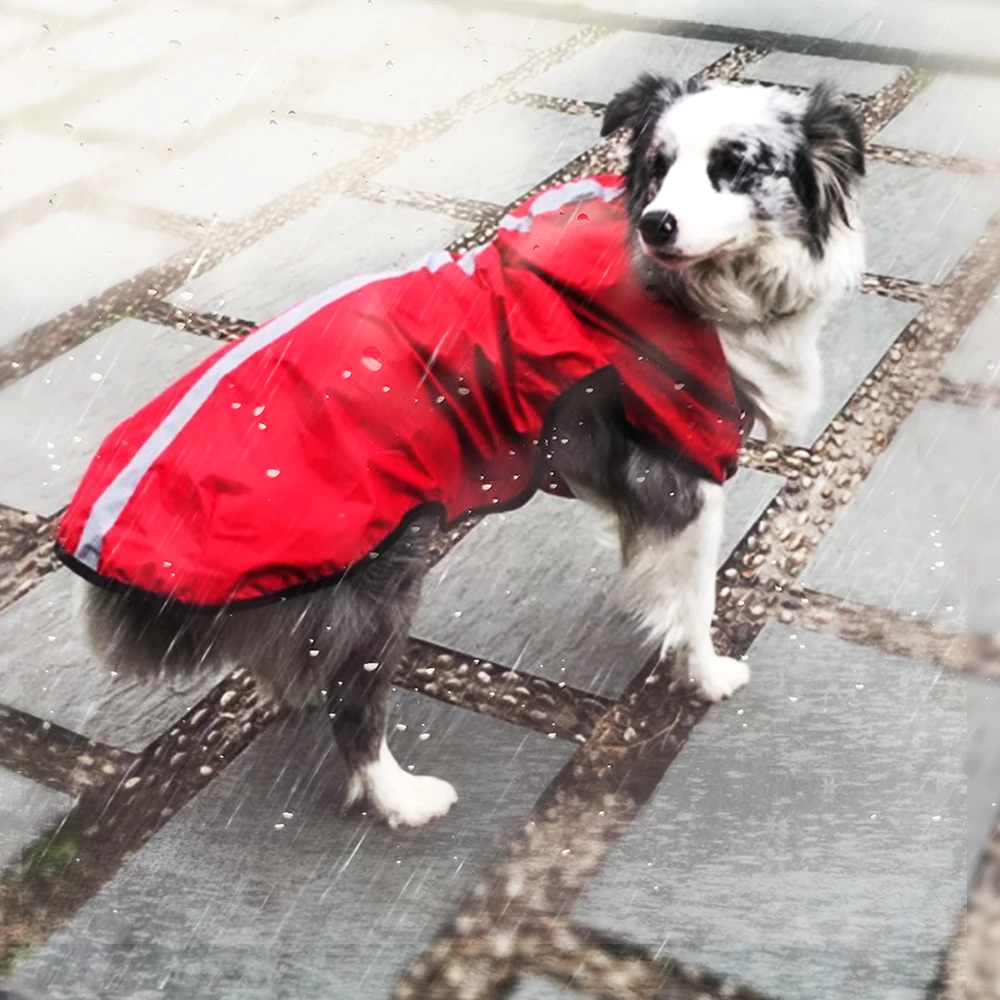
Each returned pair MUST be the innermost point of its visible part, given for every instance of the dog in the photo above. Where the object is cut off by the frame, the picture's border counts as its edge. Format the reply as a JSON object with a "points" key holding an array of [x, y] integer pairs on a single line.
{"points": [[742, 209]]}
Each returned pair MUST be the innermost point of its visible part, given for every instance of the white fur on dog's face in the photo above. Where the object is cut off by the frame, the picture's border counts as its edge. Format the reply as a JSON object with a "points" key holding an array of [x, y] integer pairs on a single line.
{"points": [[725, 151], [721, 147]]}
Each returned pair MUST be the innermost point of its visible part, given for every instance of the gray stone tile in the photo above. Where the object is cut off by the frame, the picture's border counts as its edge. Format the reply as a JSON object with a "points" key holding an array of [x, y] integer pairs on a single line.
{"points": [[495, 155], [39, 164], [543, 989], [340, 237], [47, 669], [260, 888], [984, 766], [82, 256], [415, 82], [537, 589], [849, 75], [186, 97], [26, 809], [920, 536], [53, 420], [35, 78], [825, 19], [810, 838], [143, 34], [600, 71], [244, 169], [954, 116], [944, 27], [977, 357], [854, 339], [919, 222]]}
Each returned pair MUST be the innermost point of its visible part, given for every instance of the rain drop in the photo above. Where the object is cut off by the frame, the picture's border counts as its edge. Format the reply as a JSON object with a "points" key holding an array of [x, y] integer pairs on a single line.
{"points": [[273, 473], [371, 359], [96, 376]]}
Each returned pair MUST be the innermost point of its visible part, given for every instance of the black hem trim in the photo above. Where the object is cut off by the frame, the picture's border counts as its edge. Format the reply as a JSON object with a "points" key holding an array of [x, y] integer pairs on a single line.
{"points": [[414, 513]]}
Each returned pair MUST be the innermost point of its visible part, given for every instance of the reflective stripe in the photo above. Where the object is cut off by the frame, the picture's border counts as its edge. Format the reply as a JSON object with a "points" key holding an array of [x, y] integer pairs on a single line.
{"points": [[110, 504], [555, 198]]}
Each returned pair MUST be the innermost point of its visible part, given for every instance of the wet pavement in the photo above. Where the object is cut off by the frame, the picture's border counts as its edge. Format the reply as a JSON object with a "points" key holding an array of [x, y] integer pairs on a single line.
{"points": [[170, 175]]}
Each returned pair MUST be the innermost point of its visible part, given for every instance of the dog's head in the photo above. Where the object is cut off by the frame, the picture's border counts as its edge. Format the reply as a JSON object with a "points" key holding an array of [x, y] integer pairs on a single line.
{"points": [[720, 170]]}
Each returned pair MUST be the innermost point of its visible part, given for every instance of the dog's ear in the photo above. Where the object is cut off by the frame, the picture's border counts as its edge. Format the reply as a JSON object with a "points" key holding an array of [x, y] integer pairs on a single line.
{"points": [[829, 163], [833, 133], [647, 95]]}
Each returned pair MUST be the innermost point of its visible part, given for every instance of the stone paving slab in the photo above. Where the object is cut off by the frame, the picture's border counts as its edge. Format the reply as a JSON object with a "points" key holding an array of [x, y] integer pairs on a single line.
{"points": [[142, 33], [923, 244], [977, 357], [340, 237], [34, 79], [825, 19], [849, 75], [920, 535], [810, 838], [600, 71], [955, 116], [54, 419], [184, 98], [549, 604], [242, 170], [47, 669], [854, 339], [983, 762], [495, 155], [83, 256], [543, 989], [37, 164], [260, 888], [401, 90], [26, 809], [942, 27]]}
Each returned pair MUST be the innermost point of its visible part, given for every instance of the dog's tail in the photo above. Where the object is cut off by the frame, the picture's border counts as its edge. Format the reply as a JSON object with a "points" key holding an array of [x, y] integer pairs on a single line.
{"points": [[145, 637]]}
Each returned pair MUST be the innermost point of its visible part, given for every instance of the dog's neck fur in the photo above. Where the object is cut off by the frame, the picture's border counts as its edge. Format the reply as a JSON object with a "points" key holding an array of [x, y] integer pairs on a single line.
{"points": [[770, 306]]}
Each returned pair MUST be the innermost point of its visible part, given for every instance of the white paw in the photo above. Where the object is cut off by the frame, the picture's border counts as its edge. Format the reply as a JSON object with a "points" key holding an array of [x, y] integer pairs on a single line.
{"points": [[413, 799], [721, 677]]}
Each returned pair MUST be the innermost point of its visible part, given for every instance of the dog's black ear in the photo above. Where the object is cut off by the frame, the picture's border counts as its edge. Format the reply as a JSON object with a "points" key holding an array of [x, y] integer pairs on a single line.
{"points": [[829, 163], [833, 133], [647, 95]]}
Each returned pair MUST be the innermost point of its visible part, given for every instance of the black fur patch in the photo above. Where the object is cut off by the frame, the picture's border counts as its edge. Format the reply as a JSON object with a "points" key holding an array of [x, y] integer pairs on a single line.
{"points": [[827, 164]]}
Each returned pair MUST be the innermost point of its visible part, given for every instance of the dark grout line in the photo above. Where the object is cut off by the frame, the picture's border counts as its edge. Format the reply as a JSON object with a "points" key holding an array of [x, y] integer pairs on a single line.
{"points": [[973, 394], [554, 710], [602, 966], [565, 105], [900, 289], [55, 756], [27, 552], [794, 43], [892, 633], [931, 161]]}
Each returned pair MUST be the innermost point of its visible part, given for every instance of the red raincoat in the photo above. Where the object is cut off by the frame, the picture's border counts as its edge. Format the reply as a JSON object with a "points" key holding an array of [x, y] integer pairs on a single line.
{"points": [[286, 458]]}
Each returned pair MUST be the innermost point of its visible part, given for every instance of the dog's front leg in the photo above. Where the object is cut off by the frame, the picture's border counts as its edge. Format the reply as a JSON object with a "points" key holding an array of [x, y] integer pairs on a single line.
{"points": [[670, 587]]}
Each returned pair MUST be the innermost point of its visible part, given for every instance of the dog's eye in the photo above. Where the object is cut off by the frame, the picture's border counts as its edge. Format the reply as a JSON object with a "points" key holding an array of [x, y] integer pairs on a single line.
{"points": [[726, 164], [659, 165]]}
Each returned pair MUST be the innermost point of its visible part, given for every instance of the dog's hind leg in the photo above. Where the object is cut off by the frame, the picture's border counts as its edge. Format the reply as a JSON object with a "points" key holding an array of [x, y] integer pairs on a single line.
{"points": [[385, 598]]}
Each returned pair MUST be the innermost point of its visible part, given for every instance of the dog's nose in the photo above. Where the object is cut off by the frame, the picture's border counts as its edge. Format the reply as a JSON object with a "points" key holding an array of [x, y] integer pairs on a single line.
{"points": [[658, 228]]}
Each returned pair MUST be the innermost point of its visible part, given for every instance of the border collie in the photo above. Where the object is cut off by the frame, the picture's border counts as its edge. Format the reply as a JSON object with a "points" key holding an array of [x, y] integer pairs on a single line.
{"points": [[743, 210]]}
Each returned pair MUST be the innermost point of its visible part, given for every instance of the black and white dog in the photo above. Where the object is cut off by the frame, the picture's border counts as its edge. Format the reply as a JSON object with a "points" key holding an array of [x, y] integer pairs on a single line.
{"points": [[743, 202]]}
